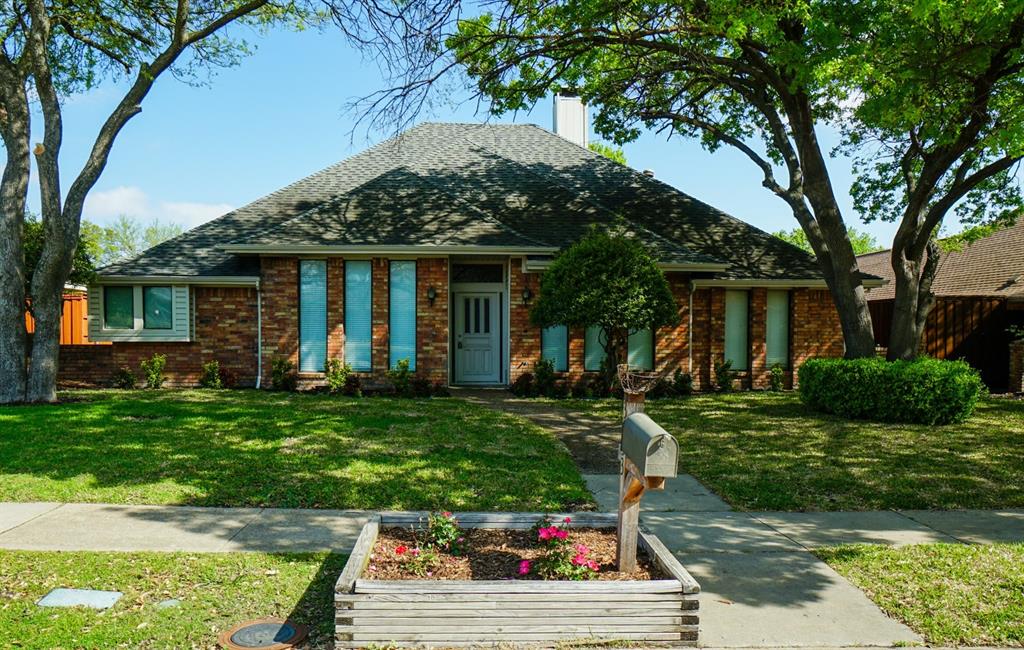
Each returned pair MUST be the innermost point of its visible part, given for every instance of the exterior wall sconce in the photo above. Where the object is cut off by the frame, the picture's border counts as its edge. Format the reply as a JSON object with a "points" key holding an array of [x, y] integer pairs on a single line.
{"points": [[431, 295], [527, 295]]}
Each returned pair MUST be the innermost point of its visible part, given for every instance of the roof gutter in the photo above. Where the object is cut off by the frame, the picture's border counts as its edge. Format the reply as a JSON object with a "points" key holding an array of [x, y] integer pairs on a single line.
{"points": [[543, 265], [778, 284], [445, 249], [218, 280]]}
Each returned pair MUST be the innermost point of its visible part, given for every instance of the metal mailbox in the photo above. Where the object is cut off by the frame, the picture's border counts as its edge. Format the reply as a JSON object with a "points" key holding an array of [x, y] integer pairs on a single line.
{"points": [[654, 451]]}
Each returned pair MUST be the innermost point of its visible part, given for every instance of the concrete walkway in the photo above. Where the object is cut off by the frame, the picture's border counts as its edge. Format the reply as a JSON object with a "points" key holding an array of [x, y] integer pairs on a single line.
{"points": [[103, 527]]}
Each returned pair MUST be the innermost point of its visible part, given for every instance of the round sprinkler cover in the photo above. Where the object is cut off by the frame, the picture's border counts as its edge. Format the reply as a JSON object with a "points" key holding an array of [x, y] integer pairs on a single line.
{"points": [[264, 634]]}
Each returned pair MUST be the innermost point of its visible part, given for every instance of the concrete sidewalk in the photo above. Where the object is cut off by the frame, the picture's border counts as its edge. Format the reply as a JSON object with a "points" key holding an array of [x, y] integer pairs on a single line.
{"points": [[104, 527]]}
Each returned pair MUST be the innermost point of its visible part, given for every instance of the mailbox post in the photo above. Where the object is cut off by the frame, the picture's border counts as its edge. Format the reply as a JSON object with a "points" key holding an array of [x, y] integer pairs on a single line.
{"points": [[648, 455]]}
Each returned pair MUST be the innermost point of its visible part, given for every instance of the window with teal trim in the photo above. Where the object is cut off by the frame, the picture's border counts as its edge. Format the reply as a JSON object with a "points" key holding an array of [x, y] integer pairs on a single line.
{"points": [[554, 345], [641, 349], [358, 329], [777, 329], [312, 315], [737, 339], [118, 308], [402, 312], [640, 353]]}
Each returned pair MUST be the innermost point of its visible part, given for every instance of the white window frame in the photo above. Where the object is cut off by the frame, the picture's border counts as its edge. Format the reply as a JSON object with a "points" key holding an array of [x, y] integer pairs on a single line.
{"points": [[181, 316]]}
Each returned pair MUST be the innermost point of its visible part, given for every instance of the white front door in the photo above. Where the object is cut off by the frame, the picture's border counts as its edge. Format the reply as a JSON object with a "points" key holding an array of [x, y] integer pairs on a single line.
{"points": [[477, 332]]}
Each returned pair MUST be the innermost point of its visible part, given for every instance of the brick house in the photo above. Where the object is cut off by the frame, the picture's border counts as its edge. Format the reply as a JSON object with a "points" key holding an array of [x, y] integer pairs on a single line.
{"points": [[430, 247]]}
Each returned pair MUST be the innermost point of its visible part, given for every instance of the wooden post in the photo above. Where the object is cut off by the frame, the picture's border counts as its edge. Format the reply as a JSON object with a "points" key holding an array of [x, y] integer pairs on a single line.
{"points": [[631, 488], [632, 403]]}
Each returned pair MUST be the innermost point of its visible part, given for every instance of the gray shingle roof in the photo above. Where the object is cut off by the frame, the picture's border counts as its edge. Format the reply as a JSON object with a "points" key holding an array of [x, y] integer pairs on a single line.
{"points": [[480, 185]]}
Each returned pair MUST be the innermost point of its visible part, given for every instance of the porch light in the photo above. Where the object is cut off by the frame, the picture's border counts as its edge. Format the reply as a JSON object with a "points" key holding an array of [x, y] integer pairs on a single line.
{"points": [[431, 295], [527, 295]]}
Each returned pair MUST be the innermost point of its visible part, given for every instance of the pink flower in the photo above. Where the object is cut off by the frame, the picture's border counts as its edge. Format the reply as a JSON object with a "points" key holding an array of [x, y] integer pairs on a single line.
{"points": [[447, 514], [580, 560], [580, 548], [544, 533], [401, 549], [561, 534], [414, 552], [568, 520], [524, 567], [593, 566]]}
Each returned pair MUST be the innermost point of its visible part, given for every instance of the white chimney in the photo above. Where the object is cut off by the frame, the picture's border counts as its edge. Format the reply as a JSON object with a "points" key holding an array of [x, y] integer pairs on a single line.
{"points": [[570, 118]]}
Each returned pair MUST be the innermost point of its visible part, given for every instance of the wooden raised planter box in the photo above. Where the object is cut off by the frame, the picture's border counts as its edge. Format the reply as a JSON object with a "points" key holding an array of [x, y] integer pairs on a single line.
{"points": [[454, 613]]}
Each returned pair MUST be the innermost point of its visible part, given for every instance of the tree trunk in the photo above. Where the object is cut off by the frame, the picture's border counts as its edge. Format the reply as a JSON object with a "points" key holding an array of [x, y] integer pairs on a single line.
{"points": [[43, 365], [14, 124], [914, 301]]}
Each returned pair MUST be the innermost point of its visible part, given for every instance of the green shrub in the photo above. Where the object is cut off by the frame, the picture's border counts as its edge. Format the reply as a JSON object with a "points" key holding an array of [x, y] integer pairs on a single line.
{"points": [[353, 386], [724, 376], [336, 374], [400, 378], [923, 391], [211, 375], [153, 368], [682, 383], [282, 375], [544, 377], [523, 385], [421, 387], [776, 378], [124, 378]]}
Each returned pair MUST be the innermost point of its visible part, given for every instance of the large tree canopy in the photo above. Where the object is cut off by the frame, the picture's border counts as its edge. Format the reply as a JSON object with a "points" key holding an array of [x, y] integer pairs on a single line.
{"points": [[608, 280], [49, 50], [927, 94]]}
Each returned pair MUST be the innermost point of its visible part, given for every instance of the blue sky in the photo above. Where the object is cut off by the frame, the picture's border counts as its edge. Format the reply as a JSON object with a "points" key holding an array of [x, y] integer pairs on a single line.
{"points": [[196, 152]]}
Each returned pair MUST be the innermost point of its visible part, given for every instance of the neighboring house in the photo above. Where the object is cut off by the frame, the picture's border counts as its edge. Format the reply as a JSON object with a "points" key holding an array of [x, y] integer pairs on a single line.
{"points": [[979, 293], [430, 247]]}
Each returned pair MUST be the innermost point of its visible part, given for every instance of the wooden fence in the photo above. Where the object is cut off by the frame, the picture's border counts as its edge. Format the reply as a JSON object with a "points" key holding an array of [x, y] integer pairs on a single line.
{"points": [[968, 328], [74, 323]]}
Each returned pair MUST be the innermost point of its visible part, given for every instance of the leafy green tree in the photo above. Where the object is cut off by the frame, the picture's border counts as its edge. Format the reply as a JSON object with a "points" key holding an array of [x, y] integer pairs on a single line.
{"points": [[862, 242], [49, 50], [610, 152], [83, 267], [608, 280], [928, 95], [127, 237]]}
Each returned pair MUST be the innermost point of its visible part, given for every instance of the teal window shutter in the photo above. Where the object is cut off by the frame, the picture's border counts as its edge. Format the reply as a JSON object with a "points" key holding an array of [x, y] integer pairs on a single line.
{"points": [[554, 345], [118, 308], [358, 326], [737, 345], [593, 348], [777, 329], [402, 312], [156, 308], [641, 349], [312, 315]]}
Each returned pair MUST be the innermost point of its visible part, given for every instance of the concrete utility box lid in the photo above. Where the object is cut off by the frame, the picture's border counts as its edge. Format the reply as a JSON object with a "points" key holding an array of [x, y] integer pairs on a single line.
{"points": [[652, 449], [80, 598]]}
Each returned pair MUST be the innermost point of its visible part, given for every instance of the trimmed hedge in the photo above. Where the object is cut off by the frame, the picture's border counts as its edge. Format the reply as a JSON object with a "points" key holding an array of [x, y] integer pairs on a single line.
{"points": [[923, 391]]}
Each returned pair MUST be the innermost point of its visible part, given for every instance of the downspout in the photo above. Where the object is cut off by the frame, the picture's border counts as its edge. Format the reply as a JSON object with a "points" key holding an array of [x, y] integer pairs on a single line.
{"points": [[259, 337], [689, 332]]}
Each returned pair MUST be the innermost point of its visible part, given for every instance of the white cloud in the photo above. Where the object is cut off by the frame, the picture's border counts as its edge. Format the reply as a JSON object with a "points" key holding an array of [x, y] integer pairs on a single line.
{"points": [[103, 206]]}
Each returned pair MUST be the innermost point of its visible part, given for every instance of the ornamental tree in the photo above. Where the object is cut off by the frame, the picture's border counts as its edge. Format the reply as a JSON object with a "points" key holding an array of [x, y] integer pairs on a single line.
{"points": [[927, 95], [49, 51], [607, 280]]}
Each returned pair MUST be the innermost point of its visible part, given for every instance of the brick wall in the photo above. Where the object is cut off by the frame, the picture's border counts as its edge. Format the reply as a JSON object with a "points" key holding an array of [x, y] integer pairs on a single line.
{"points": [[225, 331], [432, 334], [279, 284], [525, 348], [814, 326]]}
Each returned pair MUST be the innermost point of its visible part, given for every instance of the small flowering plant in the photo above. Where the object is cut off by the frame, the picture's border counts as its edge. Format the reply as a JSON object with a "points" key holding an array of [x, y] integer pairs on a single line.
{"points": [[419, 561], [443, 533], [562, 560]]}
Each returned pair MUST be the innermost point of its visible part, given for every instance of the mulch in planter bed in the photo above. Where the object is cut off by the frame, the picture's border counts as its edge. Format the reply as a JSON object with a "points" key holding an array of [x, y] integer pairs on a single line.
{"points": [[495, 554]]}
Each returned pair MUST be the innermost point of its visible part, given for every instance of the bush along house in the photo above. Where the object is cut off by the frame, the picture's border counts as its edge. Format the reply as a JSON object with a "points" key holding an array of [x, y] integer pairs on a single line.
{"points": [[429, 247]]}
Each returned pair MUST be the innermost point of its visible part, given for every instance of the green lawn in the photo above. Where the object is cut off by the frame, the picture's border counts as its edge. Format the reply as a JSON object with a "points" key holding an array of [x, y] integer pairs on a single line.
{"points": [[765, 451], [250, 448], [216, 591], [951, 594]]}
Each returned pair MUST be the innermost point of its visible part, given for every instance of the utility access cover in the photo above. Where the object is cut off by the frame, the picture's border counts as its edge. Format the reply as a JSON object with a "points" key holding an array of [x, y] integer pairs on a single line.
{"points": [[264, 634]]}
